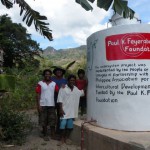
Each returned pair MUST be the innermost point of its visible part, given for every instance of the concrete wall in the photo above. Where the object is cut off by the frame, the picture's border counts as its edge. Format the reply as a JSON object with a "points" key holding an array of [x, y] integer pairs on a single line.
{"points": [[97, 138]]}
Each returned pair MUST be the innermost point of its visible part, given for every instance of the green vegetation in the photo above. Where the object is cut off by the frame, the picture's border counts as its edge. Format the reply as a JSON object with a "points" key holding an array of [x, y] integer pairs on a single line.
{"points": [[7, 82], [17, 83], [23, 96], [23, 66], [64, 56], [17, 44], [14, 126]]}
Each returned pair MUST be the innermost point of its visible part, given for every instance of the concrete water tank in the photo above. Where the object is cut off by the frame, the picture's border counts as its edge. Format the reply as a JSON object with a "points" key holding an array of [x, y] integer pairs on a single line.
{"points": [[118, 69]]}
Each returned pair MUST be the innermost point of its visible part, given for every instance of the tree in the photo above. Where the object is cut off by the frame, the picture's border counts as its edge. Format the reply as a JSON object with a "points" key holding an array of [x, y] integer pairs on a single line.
{"points": [[30, 16], [119, 6], [18, 46]]}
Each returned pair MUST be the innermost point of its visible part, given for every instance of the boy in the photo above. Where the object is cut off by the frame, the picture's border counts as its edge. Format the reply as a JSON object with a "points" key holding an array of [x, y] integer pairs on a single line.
{"points": [[60, 81], [58, 78], [68, 99], [45, 103]]}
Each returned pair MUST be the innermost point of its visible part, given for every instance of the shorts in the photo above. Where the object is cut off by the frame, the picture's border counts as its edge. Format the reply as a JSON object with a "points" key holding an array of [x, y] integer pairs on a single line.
{"points": [[66, 123], [47, 116]]}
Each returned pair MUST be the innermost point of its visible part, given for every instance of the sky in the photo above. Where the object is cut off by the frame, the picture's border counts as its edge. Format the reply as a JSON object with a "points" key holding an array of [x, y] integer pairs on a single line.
{"points": [[69, 22]]}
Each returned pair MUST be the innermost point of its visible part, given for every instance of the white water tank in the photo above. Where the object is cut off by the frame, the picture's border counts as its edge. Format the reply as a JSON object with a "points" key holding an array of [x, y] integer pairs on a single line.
{"points": [[118, 69]]}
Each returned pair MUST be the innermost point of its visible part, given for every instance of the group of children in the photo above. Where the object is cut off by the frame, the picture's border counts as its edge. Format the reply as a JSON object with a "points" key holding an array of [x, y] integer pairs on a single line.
{"points": [[58, 102]]}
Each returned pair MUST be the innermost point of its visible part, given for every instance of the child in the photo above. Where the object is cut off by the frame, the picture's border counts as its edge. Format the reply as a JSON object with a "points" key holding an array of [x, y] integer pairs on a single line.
{"points": [[68, 99], [60, 81], [45, 103], [81, 84]]}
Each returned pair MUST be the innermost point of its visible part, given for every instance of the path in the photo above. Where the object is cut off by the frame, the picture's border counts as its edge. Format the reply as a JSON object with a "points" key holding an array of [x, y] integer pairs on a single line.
{"points": [[34, 142]]}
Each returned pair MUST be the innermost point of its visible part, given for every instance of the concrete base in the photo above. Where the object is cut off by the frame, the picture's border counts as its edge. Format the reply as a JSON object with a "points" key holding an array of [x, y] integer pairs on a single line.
{"points": [[97, 138]]}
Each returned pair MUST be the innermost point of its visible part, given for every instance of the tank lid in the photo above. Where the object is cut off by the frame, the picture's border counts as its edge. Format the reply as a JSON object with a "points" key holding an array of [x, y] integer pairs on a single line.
{"points": [[117, 19]]}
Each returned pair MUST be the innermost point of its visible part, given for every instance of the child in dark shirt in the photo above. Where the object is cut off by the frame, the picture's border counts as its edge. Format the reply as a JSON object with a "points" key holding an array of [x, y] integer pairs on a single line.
{"points": [[60, 81]]}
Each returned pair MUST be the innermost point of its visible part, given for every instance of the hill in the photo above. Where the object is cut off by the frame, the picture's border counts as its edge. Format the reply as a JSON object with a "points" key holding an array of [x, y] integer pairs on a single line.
{"points": [[63, 57]]}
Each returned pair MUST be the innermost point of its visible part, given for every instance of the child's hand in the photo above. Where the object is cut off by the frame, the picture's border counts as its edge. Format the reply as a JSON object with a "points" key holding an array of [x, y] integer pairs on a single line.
{"points": [[62, 113]]}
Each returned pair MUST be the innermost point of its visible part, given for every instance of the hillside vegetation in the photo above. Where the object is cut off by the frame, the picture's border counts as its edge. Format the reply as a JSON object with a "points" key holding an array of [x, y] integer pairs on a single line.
{"points": [[63, 57]]}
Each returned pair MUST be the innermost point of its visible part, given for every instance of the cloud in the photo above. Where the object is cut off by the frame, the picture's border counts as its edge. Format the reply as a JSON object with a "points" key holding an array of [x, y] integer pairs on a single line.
{"points": [[66, 18], [74, 21]]}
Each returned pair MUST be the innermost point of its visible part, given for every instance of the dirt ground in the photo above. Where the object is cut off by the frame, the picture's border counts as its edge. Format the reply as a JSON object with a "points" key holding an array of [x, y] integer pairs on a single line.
{"points": [[34, 142]]}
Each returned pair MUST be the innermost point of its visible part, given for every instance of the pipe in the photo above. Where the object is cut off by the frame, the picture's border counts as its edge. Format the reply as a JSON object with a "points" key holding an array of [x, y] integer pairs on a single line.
{"points": [[109, 21], [139, 20], [82, 131]]}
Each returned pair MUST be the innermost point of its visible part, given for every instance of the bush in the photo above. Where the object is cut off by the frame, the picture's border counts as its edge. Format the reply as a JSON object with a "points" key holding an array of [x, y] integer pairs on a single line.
{"points": [[14, 126], [23, 96]]}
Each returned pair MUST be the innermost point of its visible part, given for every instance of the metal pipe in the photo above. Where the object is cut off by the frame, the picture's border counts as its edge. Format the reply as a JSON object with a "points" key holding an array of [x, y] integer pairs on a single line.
{"points": [[109, 21], [82, 131]]}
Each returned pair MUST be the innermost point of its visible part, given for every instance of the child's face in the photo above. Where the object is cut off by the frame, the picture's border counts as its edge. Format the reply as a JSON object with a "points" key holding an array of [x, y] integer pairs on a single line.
{"points": [[71, 82], [81, 76], [47, 75], [59, 73]]}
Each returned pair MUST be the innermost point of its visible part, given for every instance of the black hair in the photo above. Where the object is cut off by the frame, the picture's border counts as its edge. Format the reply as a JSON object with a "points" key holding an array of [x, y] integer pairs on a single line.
{"points": [[81, 71], [71, 76], [46, 70]]}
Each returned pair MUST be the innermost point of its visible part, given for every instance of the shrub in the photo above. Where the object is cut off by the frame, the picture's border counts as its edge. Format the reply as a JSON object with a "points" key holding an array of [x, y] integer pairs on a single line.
{"points": [[14, 126], [23, 96]]}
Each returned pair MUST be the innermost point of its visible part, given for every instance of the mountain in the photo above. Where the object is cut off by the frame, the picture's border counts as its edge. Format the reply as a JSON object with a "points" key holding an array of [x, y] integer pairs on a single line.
{"points": [[49, 50], [64, 56]]}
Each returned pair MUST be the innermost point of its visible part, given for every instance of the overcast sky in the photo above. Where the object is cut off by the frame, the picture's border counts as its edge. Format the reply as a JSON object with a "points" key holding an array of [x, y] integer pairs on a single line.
{"points": [[70, 23]]}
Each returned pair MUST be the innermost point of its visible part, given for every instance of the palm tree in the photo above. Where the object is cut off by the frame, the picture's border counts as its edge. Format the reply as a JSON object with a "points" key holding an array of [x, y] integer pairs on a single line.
{"points": [[32, 16]]}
